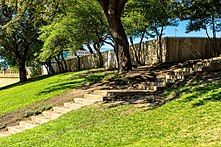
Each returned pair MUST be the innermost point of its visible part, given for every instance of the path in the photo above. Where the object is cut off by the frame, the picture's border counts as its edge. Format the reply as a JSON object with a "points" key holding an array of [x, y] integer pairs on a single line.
{"points": [[120, 96]]}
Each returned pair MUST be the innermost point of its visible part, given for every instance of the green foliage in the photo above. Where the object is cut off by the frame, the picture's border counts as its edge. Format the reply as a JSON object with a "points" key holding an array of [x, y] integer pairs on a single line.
{"points": [[19, 23], [35, 70], [202, 14], [148, 15], [79, 24], [57, 37], [18, 34], [134, 19]]}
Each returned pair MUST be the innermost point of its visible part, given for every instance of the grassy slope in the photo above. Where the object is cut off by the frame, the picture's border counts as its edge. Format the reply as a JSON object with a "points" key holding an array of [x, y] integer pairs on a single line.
{"points": [[22, 95], [192, 119]]}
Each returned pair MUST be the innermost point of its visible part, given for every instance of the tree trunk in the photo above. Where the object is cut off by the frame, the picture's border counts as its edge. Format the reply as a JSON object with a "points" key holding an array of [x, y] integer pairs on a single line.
{"points": [[65, 63], [117, 57], [211, 42], [101, 61], [60, 66], [100, 57], [119, 36], [22, 71], [113, 10], [20, 60], [216, 50], [50, 68], [161, 46], [89, 48], [140, 46], [135, 51], [79, 63], [160, 50]]}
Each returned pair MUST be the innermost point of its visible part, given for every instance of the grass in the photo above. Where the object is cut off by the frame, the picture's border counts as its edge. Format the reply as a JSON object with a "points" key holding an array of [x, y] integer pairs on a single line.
{"points": [[192, 119], [19, 96]]}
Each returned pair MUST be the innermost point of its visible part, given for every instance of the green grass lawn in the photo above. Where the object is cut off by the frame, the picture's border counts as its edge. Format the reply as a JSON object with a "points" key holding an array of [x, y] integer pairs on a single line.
{"points": [[22, 95], [192, 119]]}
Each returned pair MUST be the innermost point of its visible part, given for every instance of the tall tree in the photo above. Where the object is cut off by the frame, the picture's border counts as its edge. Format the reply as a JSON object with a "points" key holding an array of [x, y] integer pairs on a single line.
{"points": [[113, 10], [137, 27], [203, 14], [159, 14], [18, 33], [80, 24]]}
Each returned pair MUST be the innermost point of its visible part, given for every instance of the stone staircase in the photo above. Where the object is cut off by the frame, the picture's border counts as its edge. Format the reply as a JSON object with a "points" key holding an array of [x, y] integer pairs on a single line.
{"points": [[179, 74], [163, 80], [51, 114]]}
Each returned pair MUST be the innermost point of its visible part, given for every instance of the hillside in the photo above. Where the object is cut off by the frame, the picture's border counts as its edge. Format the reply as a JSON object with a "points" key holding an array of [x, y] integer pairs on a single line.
{"points": [[20, 100], [190, 116]]}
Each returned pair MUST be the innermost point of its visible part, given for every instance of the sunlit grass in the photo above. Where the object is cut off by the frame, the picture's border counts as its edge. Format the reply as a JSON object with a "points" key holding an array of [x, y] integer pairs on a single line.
{"points": [[179, 122], [22, 95]]}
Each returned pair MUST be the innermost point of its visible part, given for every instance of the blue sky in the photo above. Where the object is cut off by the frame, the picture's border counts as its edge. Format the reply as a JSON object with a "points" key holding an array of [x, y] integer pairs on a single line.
{"points": [[178, 31]]}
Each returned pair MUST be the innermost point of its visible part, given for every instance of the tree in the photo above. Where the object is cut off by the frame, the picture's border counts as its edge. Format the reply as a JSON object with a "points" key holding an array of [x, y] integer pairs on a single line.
{"points": [[80, 25], [159, 14], [137, 27], [203, 14], [92, 27], [19, 33], [113, 10]]}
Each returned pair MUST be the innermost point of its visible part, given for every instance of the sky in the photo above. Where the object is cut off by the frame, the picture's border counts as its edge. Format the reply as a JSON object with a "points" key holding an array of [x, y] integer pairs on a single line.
{"points": [[178, 31]]}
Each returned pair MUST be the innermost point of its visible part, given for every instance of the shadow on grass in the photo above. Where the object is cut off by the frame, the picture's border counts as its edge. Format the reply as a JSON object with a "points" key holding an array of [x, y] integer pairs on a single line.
{"points": [[28, 81], [198, 89], [76, 81]]}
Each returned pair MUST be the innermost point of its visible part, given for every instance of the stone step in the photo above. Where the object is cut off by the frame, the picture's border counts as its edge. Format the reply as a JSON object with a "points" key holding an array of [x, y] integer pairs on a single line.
{"points": [[186, 71], [155, 88], [169, 81], [163, 84], [16, 129], [175, 77], [39, 119], [178, 71], [171, 77], [28, 124], [101, 92], [161, 79], [73, 106], [50, 114], [61, 110], [84, 101], [4, 134], [93, 96], [216, 60]]}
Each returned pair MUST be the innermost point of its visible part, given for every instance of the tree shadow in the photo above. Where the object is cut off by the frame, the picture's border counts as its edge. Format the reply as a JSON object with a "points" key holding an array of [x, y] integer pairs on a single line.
{"points": [[62, 86], [75, 81], [28, 81], [198, 90]]}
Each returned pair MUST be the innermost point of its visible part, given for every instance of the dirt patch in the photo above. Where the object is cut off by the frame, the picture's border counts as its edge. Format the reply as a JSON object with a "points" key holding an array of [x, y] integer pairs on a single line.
{"points": [[12, 118]]}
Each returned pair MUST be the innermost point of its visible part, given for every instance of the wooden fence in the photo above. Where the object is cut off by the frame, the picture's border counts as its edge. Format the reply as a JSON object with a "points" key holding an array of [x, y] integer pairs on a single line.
{"points": [[173, 49]]}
